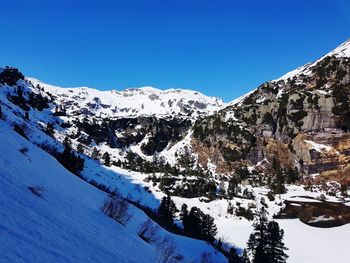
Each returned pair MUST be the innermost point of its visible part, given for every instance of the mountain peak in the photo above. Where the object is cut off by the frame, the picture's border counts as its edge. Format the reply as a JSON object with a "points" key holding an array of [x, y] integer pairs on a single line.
{"points": [[133, 101], [342, 50], [145, 89]]}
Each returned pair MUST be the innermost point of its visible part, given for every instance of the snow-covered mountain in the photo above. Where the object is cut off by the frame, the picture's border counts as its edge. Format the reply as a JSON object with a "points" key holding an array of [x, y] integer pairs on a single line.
{"points": [[342, 51], [134, 102], [50, 215], [281, 147], [281, 117]]}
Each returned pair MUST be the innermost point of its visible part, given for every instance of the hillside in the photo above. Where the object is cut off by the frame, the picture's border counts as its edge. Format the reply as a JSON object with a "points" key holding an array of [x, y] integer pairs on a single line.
{"points": [[301, 120], [283, 147], [48, 214], [133, 102]]}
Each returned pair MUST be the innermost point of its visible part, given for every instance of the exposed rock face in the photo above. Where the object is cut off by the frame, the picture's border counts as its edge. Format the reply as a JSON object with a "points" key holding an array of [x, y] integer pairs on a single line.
{"points": [[225, 143], [302, 119], [153, 133], [317, 213]]}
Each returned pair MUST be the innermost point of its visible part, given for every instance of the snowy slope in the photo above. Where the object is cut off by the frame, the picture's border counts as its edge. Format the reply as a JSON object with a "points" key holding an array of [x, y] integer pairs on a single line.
{"points": [[143, 101], [304, 242], [65, 224], [315, 245], [342, 50]]}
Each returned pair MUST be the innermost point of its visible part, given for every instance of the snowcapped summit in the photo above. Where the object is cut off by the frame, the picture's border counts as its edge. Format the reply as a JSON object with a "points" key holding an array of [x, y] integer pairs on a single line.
{"points": [[343, 50], [132, 102]]}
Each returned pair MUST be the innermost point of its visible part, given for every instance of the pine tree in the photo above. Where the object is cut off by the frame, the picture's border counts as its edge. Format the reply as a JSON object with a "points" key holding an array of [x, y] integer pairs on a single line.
{"points": [[230, 208], [233, 257], [276, 246], [67, 143], [265, 243], [50, 129], [184, 216], [258, 239], [277, 185], [260, 255], [222, 190], [193, 226], [200, 225], [107, 159], [80, 148], [20, 92], [69, 160], [167, 209], [232, 187], [95, 154], [209, 230], [245, 258], [292, 175]]}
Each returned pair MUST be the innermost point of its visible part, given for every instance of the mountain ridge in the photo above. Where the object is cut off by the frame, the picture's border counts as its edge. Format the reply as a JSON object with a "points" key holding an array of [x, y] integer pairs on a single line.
{"points": [[285, 142], [136, 101]]}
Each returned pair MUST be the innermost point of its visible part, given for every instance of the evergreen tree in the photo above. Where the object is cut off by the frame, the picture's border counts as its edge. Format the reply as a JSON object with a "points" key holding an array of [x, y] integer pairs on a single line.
{"points": [[200, 225], [20, 92], [276, 246], [265, 243], [130, 157], [257, 242], [209, 230], [67, 143], [292, 175], [50, 129], [222, 190], [245, 258], [194, 222], [184, 216], [233, 257], [277, 185], [80, 148], [167, 209], [69, 160], [232, 187], [230, 208], [95, 154], [107, 159]]}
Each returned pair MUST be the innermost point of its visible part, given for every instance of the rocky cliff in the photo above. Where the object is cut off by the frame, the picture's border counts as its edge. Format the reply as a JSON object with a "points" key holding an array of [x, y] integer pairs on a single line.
{"points": [[301, 119]]}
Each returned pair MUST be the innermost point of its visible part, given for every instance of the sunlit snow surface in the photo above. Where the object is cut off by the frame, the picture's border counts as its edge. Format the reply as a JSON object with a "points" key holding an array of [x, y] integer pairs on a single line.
{"points": [[133, 102], [304, 242], [341, 51], [65, 224]]}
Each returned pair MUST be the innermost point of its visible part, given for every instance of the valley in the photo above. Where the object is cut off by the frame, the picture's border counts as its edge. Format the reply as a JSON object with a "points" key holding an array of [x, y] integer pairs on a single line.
{"points": [[283, 148]]}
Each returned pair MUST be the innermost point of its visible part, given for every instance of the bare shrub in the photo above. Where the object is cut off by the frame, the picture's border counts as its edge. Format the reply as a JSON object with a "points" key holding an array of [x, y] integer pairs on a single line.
{"points": [[36, 190], [117, 208], [20, 129], [166, 250], [23, 150], [206, 258], [166, 247], [149, 231]]}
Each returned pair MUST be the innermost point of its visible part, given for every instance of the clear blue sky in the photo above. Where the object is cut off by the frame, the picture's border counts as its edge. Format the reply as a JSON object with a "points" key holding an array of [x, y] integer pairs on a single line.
{"points": [[221, 48]]}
